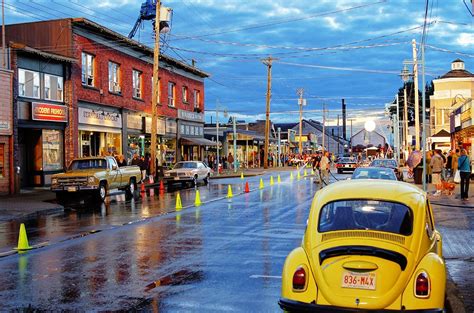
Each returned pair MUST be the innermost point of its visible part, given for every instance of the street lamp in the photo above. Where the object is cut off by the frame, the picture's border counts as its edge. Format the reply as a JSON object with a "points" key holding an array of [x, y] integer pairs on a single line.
{"points": [[405, 74]]}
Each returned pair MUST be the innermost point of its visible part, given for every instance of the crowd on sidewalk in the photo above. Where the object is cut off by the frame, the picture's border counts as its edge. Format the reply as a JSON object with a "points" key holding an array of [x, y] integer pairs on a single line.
{"points": [[444, 170]]}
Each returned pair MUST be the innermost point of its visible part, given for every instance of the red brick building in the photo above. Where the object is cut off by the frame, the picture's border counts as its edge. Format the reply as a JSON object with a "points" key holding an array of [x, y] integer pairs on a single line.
{"points": [[6, 132], [108, 88]]}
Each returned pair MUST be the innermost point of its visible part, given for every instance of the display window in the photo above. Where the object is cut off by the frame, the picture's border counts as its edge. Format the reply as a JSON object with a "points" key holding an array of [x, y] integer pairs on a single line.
{"points": [[52, 150]]}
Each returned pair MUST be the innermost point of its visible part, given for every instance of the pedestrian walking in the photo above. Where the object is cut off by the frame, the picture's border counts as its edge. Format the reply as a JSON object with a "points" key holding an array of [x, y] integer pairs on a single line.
{"points": [[317, 167], [464, 167], [324, 165], [230, 160], [436, 165]]}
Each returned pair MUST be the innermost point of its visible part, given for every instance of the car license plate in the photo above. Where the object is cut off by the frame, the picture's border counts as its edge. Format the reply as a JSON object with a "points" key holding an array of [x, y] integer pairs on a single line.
{"points": [[358, 280], [71, 189]]}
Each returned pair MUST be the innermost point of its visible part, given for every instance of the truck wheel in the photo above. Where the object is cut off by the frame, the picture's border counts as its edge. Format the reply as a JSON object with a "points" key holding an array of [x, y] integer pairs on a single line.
{"points": [[132, 186], [102, 192]]}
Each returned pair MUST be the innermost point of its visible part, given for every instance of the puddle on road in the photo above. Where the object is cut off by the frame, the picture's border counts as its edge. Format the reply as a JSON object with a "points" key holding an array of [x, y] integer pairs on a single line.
{"points": [[182, 277]]}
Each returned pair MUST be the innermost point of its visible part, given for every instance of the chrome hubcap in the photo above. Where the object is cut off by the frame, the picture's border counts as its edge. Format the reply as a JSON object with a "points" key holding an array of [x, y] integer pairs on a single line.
{"points": [[102, 192]]}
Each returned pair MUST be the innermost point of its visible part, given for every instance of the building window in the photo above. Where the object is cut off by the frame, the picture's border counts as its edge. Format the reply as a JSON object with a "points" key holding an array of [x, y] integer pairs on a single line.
{"points": [[197, 98], [88, 69], [28, 84], [2, 160], [137, 84], [185, 94], [53, 87], [114, 72], [171, 94]]}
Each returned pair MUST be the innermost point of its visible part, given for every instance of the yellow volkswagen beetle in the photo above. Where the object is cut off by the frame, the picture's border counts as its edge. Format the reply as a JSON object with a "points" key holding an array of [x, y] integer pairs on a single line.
{"points": [[368, 245]]}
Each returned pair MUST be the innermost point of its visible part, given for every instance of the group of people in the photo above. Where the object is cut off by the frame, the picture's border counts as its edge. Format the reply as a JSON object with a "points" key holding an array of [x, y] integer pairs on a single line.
{"points": [[321, 164], [455, 166]]}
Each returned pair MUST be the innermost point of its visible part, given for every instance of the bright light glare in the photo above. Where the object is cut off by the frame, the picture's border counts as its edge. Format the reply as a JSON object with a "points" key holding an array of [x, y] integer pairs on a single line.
{"points": [[368, 208], [369, 126]]}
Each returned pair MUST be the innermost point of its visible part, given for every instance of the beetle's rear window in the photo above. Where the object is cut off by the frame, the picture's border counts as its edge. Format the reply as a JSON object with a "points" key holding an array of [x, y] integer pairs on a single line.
{"points": [[366, 214]]}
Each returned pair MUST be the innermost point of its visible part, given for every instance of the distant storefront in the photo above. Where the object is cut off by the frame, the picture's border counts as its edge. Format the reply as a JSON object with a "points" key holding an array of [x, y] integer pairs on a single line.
{"points": [[100, 130]]}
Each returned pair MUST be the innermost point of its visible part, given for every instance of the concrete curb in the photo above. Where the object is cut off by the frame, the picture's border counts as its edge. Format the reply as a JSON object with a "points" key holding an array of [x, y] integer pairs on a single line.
{"points": [[453, 303], [35, 213]]}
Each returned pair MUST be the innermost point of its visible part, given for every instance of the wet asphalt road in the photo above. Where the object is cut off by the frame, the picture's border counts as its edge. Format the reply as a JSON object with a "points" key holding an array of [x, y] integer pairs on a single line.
{"points": [[224, 256]]}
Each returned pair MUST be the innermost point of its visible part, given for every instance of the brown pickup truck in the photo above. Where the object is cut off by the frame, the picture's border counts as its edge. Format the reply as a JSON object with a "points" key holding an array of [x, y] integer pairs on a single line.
{"points": [[96, 176]]}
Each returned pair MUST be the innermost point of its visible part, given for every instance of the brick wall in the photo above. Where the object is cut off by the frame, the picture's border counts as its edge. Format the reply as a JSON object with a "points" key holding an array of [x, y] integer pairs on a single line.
{"points": [[6, 115], [101, 95]]}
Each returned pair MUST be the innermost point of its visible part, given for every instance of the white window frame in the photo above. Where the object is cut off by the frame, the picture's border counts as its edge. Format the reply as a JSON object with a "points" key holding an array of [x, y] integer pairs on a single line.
{"points": [[23, 83], [171, 94], [197, 98], [48, 87], [114, 77], [185, 94], [137, 84], [88, 69]]}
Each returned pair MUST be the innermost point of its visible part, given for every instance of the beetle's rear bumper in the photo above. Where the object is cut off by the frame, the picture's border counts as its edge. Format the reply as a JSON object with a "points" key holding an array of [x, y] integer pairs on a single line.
{"points": [[296, 306]]}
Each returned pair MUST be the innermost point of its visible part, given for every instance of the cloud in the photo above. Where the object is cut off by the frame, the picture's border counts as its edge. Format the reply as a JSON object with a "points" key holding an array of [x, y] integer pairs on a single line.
{"points": [[465, 39], [332, 23]]}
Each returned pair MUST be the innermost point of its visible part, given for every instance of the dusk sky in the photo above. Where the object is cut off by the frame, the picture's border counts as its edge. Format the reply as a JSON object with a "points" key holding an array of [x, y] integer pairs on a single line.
{"points": [[333, 49]]}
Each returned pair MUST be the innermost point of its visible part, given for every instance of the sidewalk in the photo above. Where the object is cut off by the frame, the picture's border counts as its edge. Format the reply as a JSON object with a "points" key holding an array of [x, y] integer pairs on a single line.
{"points": [[27, 204]]}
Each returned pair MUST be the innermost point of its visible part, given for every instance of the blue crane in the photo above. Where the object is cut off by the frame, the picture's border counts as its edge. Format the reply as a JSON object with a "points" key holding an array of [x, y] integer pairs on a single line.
{"points": [[147, 13]]}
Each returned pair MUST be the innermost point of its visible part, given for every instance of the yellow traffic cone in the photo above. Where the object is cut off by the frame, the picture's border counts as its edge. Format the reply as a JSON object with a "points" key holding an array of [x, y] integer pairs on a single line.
{"points": [[23, 239], [261, 186], [197, 199], [291, 176], [305, 174], [229, 192], [241, 175], [298, 176], [271, 181], [278, 179], [178, 206]]}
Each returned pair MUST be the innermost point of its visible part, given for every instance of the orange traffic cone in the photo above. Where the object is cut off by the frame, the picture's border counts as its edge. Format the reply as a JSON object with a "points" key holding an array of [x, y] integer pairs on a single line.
{"points": [[247, 189], [142, 188], [162, 186]]}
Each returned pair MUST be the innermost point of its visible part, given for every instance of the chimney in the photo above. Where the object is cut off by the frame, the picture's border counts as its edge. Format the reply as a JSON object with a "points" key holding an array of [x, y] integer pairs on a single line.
{"points": [[343, 120]]}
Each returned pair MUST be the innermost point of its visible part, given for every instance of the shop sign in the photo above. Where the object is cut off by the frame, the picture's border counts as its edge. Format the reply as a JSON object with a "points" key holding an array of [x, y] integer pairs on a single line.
{"points": [[134, 121], [100, 117], [191, 116], [160, 126], [48, 112]]}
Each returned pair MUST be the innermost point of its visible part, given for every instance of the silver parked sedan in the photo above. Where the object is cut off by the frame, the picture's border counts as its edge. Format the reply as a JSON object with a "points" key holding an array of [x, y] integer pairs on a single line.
{"points": [[188, 171]]}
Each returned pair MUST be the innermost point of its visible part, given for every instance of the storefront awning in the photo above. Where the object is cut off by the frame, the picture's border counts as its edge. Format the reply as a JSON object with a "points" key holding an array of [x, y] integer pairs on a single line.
{"points": [[198, 141]]}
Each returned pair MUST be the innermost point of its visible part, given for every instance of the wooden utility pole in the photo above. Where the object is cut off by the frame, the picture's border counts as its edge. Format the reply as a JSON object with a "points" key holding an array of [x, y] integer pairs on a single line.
{"points": [[324, 126], [300, 92], [268, 62], [4, 63], [417, 105], [405, 117], [156, 91]]}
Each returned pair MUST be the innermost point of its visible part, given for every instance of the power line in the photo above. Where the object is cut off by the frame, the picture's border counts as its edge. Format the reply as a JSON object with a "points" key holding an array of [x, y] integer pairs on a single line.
{"points": [[283, 21]]}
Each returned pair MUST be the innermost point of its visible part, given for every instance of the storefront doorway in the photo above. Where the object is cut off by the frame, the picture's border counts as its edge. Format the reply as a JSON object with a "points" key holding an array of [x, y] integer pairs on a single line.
{"points": [[40, 155]]}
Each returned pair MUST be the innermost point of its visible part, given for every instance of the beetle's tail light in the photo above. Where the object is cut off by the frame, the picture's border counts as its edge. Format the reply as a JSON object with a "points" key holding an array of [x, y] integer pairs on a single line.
{"points": [[299, 279], [422, 285]]}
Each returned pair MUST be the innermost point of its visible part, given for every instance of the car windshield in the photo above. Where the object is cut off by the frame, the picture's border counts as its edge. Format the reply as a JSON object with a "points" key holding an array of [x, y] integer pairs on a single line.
{"points": [[186, 165], [366, 214], [385, 163], [88, 164], [374, 173]]}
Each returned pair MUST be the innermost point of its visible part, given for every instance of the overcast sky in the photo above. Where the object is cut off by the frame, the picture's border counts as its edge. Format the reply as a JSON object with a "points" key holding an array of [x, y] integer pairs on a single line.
{"points": [[333, 49]]}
